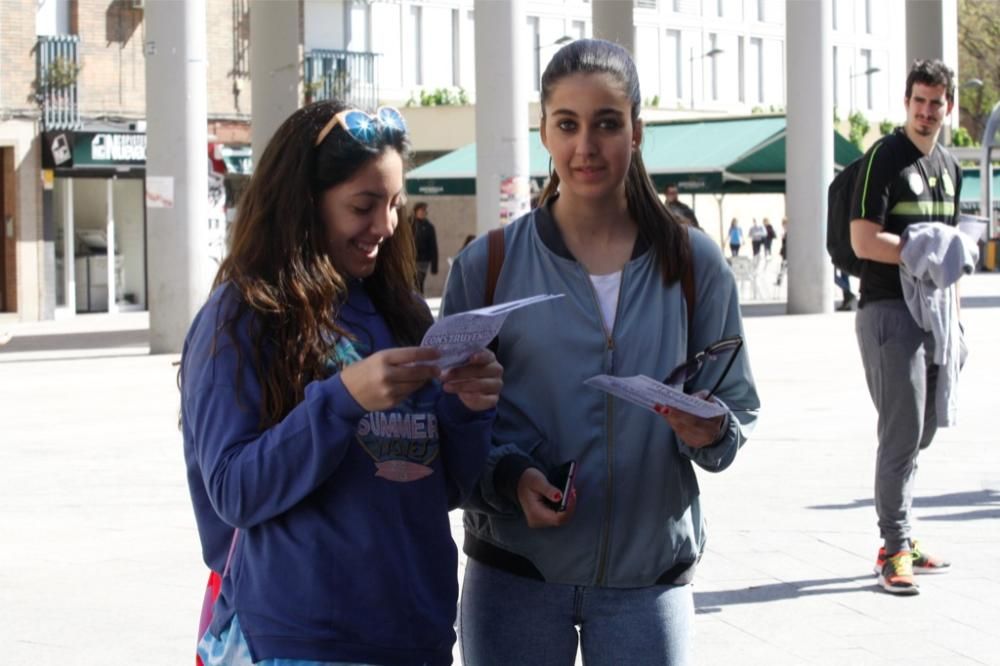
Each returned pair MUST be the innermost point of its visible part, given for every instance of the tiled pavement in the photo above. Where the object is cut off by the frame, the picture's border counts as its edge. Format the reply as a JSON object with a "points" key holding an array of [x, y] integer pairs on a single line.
{"points": [[99, 563]]}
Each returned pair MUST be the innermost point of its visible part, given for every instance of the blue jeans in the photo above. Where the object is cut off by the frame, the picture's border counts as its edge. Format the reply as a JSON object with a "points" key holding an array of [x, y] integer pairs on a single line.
{"points": [[507, 619]]}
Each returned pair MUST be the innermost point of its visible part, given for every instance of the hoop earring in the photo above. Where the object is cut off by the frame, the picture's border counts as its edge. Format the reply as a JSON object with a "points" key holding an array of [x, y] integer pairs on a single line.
{"points": [[550, 165]]}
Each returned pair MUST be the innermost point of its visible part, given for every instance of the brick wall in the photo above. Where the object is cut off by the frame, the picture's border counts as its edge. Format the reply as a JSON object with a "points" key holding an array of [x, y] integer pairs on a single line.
{"points": [[17, 56], [112, 79], [228, 52], [112, 75]]}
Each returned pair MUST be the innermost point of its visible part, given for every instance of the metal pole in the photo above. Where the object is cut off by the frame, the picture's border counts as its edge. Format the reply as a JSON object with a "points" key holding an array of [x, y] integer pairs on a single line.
{"points": [[986, 171], [691, 60]]}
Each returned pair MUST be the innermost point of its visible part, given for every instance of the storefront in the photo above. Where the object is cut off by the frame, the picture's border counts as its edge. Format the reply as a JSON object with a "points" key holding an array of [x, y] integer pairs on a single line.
{"points": [[93, 189], [94, 200]]}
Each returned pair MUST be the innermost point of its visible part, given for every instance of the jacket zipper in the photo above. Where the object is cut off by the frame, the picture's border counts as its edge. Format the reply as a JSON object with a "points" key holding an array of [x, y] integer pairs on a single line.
{"points": [[602, 563]]}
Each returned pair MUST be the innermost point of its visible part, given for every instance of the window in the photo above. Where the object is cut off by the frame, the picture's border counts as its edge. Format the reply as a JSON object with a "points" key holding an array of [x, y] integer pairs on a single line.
{"points": [[578, 29], [467, 55], [536, 48], [52, 17], [741, 55], [836, 77], [713, 44], [866, 62], [456, 47], [357, 28], [417, 15], [672, 80], [755, 71], [646, 40]]}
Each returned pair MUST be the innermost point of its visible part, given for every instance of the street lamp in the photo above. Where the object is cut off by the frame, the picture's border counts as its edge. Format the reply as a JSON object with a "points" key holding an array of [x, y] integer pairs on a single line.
{"points": [[565, 39], [867, 73], [709, 54]]}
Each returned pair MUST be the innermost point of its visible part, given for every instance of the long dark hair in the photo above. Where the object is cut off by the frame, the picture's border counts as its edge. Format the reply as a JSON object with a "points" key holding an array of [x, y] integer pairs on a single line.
{"points": [[278, 260], [661, 228]]}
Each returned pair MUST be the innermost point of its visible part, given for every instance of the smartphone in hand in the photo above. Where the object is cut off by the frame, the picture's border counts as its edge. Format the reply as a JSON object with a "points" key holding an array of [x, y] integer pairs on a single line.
{"points": [[562, 477]]}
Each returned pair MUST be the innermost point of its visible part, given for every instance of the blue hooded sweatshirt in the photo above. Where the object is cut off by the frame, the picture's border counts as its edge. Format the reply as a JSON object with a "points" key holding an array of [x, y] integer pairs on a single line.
{"points": [[344, 550]]}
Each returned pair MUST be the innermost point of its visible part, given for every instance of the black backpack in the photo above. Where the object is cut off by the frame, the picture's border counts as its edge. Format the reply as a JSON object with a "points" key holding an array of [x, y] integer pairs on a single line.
{"points": [[840, 200]]}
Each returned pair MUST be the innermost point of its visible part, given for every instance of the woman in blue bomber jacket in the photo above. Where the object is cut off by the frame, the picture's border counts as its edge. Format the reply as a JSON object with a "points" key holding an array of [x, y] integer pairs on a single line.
{"points": [[313, 426], [611, 572]]}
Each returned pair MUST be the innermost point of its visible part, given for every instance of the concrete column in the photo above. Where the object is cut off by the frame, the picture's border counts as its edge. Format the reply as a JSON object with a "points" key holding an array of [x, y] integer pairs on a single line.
{"points": [[69, 247], [932, 33], [275, 67], [502, 185], [109, 232], [613, 21], [179, 268], [809, 154]]}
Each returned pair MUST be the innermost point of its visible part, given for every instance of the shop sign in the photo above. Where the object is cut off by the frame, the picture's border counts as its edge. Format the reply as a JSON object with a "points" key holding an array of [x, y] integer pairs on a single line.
{"points": [[67, 150], [109, 148]]}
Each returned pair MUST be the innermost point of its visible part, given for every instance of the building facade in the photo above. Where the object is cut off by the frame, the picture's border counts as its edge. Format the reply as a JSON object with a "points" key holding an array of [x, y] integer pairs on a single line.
{"points": [[72, 145], [72, 105]]}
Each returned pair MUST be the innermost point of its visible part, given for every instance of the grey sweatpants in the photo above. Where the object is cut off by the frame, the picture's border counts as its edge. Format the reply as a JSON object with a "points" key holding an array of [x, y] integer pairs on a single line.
{"points": [[898, 359]]}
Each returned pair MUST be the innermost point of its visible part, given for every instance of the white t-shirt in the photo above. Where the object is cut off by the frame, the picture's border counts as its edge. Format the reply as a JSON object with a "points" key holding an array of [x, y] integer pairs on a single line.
{"points": [[607, 287]]}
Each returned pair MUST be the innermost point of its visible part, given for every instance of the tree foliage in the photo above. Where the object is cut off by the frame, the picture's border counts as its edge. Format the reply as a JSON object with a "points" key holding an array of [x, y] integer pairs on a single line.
{"points": [[978, 58]]}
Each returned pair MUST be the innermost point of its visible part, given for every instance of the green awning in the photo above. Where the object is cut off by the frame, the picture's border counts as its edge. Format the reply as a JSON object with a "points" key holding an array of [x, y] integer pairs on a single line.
{"points": [[744, 154]]}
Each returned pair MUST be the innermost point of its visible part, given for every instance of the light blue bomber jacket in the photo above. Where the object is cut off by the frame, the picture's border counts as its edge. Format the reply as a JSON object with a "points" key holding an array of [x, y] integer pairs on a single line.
{"points": [[638, 519]]}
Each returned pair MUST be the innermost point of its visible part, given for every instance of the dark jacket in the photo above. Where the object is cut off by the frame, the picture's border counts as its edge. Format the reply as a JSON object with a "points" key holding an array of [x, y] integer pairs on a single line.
{"points": [[426, 240]]}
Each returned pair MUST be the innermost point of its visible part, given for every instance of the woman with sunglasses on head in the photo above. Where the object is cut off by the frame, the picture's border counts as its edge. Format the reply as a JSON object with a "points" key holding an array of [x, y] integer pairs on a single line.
{"points": [[643, 293], [313, 425]]}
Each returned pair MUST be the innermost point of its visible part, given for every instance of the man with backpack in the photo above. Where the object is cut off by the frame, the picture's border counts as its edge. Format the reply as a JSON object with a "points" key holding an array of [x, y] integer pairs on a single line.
{"points": [[903, 179]]}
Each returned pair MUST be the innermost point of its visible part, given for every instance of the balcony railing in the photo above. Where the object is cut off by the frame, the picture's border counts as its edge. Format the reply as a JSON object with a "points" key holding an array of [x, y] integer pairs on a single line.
{"points": [[350, 76], [57, 69]]}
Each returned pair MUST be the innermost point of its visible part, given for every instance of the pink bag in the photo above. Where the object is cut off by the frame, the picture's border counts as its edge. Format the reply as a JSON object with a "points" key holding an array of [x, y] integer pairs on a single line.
{"points": [[212, 590]]}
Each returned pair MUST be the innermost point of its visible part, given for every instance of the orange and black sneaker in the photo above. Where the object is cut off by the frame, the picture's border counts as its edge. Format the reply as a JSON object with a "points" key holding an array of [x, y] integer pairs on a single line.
{"points": [[896, 575], [923, 562]]}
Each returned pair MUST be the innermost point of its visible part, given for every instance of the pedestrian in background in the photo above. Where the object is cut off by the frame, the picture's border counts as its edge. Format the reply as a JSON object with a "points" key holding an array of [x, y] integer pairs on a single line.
{"points": [[907, 178], [425, 239], [735, 237], [618, 562], [769, 236], [783, 252], [843, 280], [757, 237], [315, 427], [678, 207]]}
